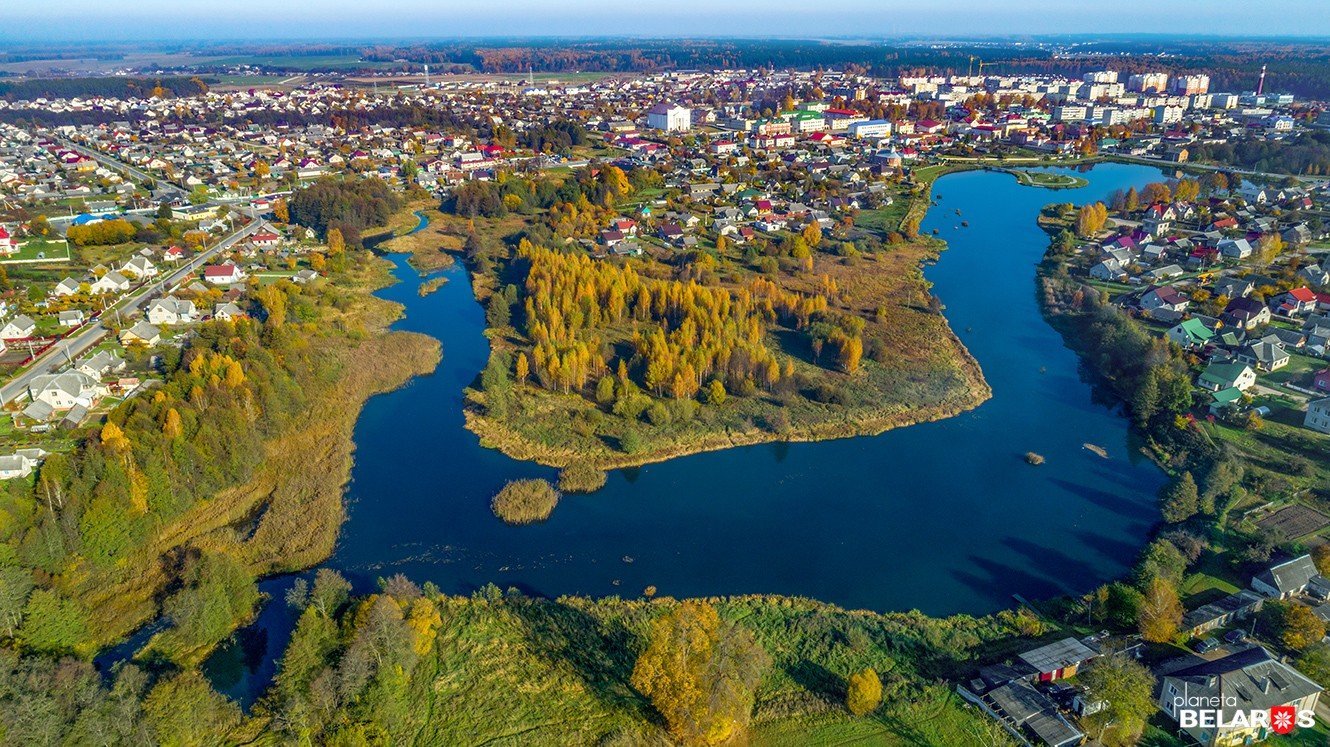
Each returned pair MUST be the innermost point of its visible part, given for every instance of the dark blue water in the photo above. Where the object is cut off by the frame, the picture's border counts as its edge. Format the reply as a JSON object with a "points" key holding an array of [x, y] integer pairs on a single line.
{"points": [[944, 517]]}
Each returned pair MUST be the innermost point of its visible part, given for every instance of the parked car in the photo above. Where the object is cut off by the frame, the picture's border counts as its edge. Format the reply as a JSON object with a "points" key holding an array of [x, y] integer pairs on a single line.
{"points": [[1235, 636], [1205, 645]]}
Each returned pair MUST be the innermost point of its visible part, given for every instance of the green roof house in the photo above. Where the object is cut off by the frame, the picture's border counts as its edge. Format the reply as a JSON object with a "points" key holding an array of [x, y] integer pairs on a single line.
{"points": [[1219, 376], [1191, 333]]}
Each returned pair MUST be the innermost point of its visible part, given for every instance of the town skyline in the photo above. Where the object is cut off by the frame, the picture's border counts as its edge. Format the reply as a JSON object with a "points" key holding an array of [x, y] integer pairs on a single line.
{"points": [[119, 20]]}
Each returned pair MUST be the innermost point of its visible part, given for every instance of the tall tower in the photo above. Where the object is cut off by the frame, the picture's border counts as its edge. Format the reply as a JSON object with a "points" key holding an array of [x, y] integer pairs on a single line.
{"points": [[1260, 85], [427, 76]]}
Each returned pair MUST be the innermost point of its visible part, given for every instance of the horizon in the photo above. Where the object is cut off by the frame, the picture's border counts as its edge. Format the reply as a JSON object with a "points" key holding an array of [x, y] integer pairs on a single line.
{"points": [[84, 21]]}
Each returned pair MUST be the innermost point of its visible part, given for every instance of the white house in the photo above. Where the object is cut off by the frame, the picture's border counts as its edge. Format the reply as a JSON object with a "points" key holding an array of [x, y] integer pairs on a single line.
{"points": [[18, 328], [63, 391], [1318, 415], [111, 282], [140, 267], [227, 312], [670, 118], [223, 274], [171, 310], [21, 463], [66, 287]]}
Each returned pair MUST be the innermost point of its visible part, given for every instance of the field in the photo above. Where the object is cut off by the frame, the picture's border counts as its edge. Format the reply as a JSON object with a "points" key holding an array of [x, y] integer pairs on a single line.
{"points": [[509, 669], [36, 250], [305, 62]]}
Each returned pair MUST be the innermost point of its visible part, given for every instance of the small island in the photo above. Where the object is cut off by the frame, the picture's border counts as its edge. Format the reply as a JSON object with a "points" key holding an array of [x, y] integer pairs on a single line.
{"points": [[525, 501]]}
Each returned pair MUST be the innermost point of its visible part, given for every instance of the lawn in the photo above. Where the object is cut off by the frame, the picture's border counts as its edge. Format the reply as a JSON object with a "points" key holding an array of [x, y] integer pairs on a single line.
{"points": [[883, 220], [38, 249]]}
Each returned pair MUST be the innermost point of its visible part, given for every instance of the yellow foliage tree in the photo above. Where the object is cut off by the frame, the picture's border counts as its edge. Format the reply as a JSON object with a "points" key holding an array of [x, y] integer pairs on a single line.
{"points": [[865, 692], [172, 427], [700, 673], [1160, 613]]}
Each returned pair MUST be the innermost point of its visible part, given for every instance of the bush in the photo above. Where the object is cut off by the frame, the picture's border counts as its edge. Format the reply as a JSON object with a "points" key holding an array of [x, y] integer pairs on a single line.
{"points": [[525, 501], [581, 478]]}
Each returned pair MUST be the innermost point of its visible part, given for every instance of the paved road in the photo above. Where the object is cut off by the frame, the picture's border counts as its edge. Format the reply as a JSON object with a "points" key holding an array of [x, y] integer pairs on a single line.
{"points": [[66, 350], [121, 166]]}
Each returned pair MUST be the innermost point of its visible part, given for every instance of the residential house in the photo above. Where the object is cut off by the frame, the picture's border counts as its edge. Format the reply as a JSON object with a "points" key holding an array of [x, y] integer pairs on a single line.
{"points": [[1263, 355], [66, 287], [1235, 248], [1164, 297], [1190, 334], [141, 334], [18, 328], [223, 274], [1217, 376], [1109, 269], [228, 312], [1288, 578], [100, 364], [1321, 380], [1246, 313], [1233, 287], [1295, 302], [171, 310], [111, 282], [1242, 682], [140, 267], [1318, 415], [72, 318], [62, 391], [21, 463], [8, 246]]}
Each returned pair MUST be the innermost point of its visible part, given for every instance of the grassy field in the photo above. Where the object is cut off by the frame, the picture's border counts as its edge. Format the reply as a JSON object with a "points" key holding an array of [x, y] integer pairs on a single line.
{"points": [[306, 62], [508, 669], [37, 249]]}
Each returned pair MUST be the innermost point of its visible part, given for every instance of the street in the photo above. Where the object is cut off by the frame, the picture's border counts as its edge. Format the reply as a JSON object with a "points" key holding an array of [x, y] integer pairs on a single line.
{"points": [[66, 350]]}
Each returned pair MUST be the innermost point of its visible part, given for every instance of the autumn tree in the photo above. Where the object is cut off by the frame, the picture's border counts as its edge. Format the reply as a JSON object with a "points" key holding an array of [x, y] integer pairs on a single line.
{"points": [[864, 693], [700, 673], [812, 234], [1090, 219], [1299, 627], [1187, 190], [1160, 613], [1124, 687], [280, 211], [336, 242], [1156, 192]]}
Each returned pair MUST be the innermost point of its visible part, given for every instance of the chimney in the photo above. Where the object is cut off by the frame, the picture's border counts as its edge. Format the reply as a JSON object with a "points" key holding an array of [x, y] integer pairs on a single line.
{"points": [[1260, 85]]}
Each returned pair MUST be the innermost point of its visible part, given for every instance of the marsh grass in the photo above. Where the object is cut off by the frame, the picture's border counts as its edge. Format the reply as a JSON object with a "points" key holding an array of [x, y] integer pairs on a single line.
{"points": [[525, 501]]}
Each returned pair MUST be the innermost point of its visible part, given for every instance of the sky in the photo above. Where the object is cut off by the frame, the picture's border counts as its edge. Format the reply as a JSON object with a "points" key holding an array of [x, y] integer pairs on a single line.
{"points": [[28, 21]]}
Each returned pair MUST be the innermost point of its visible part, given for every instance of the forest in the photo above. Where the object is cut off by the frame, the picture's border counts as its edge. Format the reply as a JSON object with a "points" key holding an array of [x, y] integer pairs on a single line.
{"points": [[1307, 155], [346, 205], [111, 87]]}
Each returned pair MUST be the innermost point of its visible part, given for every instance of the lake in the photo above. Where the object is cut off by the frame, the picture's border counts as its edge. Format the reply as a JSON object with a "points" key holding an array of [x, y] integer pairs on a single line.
{"points": [[944, 517]]}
